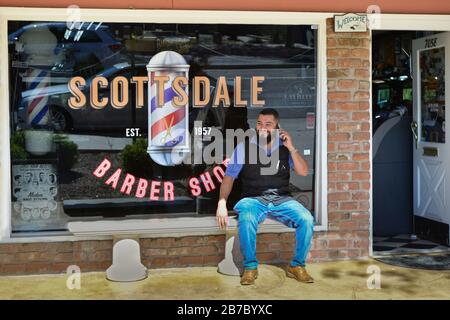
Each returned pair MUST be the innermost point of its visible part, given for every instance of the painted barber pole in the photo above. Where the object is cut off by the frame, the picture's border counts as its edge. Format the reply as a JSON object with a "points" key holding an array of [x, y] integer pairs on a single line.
{"points": [[38, 43], [37, 111], [168, 125]]}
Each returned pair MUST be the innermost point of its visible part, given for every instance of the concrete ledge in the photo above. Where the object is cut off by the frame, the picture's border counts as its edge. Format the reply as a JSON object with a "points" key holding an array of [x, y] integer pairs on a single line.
{"points": [[163, 227]]}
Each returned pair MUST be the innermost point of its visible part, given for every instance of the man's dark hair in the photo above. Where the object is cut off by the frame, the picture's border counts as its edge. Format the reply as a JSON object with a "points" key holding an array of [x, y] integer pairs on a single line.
{"points": [[270, 111]]}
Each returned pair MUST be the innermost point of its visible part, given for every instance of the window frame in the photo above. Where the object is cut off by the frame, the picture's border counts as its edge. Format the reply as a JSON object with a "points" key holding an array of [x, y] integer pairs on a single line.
{"points": [[163, 227]]}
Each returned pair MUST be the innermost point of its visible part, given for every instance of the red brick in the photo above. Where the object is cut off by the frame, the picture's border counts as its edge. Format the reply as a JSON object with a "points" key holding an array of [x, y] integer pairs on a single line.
{"points": [[331, 126], [365, 126], [364, 85], [154, 252], [179, 251], [64, 257], [338, 156], [9, 247], [360, 196], [338, 196], [163, 262], [347, 147], [332, 136], [365, 186], [363, 225], [360, 156], [188, 241], [360, 216], [362, 73], [287, 236], [318, 254], [338, 116], [34, 247], [360, 53], [347, 84], [348, 225], [339, 176], [350, 63], [101, 255], [331, 84], [336, 244], [7, 258], [361, 136], [343, 106], [12, 268], [212, 260], [345, 186], [347, 166], [281, 246], [189, 261], [330, 147], [269, 237], [38, 267], [204, 250], [360, 176], [363, 205], [337, 53], [338, 73], [338, 96], [349, 126], [365, 165], [267, 256], [348, 205], [338, 216], [361, 95], [286, 256], [360, 116], [331, 43]]}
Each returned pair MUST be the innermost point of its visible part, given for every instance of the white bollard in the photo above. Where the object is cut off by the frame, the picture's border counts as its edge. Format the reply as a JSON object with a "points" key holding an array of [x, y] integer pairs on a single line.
{"points": [[232, 263], [126, 266]]}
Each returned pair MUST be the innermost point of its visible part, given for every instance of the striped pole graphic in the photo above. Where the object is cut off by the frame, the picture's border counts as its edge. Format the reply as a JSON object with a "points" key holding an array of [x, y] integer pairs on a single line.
{"points": [[37, 112], [167, 122]]}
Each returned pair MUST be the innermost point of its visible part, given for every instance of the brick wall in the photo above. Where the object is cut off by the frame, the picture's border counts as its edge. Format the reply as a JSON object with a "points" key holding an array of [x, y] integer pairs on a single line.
{"points": [[348, 190], [349, 138]]}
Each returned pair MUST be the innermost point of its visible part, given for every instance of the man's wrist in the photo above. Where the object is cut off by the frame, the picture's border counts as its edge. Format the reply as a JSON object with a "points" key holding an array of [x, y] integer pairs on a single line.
{"points": [[292, 150]]}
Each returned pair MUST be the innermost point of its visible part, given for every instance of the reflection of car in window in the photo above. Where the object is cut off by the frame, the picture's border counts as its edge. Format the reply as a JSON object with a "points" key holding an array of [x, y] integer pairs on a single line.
{"points": [[95, 48], [65, 118]]}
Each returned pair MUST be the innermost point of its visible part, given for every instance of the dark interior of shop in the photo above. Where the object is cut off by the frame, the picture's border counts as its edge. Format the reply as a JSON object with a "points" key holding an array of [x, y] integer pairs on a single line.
{"points": [[395, 228]]}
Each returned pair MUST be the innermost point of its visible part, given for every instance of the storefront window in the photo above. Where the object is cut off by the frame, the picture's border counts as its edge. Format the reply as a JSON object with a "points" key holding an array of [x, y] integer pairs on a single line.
{"points": [[60, 143]]}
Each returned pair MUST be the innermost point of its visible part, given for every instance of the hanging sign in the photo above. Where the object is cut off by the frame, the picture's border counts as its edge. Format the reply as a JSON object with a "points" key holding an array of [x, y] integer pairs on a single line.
{"points": [[350, 22]]}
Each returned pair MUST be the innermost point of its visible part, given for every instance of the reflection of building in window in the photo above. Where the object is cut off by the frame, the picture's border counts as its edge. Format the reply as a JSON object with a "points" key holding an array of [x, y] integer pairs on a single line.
{"points": [[284, 55]]}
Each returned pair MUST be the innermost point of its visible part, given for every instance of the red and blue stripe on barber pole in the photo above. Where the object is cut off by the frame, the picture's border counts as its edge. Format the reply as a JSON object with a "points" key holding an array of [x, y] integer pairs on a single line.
{"points": [[168, 121], [37, 111]]}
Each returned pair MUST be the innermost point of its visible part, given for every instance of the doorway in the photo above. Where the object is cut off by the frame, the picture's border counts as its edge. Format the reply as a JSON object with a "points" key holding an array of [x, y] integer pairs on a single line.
{"points": [[411, 213]]}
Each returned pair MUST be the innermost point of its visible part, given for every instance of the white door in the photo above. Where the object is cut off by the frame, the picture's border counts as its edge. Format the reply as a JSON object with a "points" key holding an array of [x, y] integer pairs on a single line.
{"points": [[431, 87]]}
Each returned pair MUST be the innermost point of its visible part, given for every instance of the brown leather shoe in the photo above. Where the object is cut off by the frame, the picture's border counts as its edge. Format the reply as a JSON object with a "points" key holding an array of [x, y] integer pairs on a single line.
{"points": [[299, 273], [249, 276]]}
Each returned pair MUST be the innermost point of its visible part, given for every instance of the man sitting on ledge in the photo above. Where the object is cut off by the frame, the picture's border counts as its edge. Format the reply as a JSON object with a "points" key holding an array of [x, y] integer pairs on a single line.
{"points": [[267, 195]]}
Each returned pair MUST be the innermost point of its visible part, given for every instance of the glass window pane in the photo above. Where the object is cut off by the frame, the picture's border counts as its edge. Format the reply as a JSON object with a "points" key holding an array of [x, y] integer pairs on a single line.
{"points": [[432, 80], [64, 145]]}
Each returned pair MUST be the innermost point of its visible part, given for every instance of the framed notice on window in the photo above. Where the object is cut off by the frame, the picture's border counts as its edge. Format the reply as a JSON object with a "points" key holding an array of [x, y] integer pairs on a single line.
{"points": [[34, 193]]}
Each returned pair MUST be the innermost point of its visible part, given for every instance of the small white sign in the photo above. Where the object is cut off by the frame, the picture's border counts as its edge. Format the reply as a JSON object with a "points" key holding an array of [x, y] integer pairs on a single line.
{"points": [[306, 152], [350, 22]]}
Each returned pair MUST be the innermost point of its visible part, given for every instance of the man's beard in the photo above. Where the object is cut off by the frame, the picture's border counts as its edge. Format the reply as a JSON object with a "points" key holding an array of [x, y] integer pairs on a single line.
{"points": [[265, 138]]}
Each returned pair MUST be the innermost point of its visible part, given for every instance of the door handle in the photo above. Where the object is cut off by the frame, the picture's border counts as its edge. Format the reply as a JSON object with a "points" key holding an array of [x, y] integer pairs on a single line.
{"points": [[414, 131]]}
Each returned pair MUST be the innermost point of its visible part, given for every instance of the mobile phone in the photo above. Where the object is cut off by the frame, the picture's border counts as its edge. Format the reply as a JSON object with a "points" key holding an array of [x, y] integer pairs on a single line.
{"points": [[279, 128]]}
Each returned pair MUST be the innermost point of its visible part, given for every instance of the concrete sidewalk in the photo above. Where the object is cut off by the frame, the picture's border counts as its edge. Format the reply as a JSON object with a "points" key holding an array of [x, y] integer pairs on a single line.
{"points": [[333, 280]]}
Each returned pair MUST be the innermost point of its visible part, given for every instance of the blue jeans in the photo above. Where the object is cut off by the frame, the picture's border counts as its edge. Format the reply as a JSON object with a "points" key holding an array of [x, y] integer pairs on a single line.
{"points": [[251, 212]]}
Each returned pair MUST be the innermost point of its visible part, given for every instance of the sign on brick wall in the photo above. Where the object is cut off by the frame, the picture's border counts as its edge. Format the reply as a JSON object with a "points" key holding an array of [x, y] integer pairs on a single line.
{"points": [[350, 22]]}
